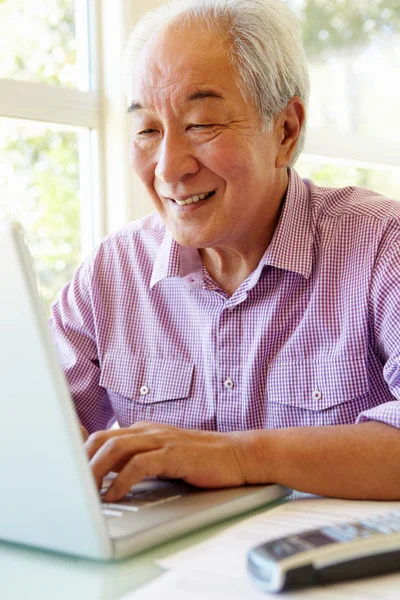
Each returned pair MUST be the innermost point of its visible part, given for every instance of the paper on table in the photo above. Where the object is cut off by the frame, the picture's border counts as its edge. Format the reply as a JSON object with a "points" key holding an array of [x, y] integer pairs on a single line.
{"points": [[216, 569], [227, 552], [198, 585]]}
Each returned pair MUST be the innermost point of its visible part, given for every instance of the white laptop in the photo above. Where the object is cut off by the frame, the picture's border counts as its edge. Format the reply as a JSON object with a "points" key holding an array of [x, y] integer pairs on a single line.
{"points": [[48, 495]]}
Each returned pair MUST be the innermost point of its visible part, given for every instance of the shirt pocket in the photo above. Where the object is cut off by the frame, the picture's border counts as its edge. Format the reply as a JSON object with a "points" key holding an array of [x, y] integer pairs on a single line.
{"points": [[307, 393], [147, 389]]}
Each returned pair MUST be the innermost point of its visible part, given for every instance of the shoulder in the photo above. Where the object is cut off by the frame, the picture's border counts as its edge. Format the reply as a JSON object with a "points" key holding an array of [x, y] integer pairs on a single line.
{"points": [[353, 202], [134, 245], [354, 217], [140, 239], [150, 227]]}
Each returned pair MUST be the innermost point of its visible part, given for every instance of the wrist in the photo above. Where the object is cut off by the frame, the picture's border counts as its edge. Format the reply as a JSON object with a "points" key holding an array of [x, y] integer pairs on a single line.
{"points": [[254, 455]]}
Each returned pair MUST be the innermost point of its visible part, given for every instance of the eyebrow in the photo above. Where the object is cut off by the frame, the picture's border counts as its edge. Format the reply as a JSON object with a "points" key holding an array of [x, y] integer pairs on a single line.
{"points": [[203, 94], [134, 107], [193, 97]]}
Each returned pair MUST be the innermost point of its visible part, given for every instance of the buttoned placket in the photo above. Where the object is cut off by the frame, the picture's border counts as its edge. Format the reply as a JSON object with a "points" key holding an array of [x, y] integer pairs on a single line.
{"points": [[228, 353]]}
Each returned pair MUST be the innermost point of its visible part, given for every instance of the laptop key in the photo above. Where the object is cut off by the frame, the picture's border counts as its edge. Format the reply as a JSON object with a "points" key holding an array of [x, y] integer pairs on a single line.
{"points": [[149, 495], [139, 503], [107, 512]]}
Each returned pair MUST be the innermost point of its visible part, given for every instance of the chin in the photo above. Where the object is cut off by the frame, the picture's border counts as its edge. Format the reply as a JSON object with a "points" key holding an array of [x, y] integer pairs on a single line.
{"points": [[188, 241], [186, 238]]}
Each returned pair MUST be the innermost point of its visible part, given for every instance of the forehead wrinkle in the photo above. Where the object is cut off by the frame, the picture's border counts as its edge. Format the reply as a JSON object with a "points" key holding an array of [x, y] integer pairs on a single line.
{"points": [[161, 79], [154, 75], [204, 94], [182, 52], [195, 94]]}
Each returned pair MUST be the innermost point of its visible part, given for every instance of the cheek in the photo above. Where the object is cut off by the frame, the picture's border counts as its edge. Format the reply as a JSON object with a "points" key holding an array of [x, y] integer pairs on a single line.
{"points": [[144, 168], [228, 159], [141, 164]]}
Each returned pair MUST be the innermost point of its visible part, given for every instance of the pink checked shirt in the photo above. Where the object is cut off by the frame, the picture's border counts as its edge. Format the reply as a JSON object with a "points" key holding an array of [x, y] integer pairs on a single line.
{"points": [[311, 337]]}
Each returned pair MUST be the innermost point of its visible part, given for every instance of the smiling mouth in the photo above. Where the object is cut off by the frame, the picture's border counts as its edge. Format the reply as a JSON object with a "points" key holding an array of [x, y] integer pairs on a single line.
{"points": [[193, 199]]}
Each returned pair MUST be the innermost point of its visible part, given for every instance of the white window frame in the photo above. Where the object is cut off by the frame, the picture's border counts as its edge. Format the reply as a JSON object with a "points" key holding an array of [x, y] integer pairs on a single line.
{"points": [[115, 194], [124, 195], [72, 108], [366, 151]]}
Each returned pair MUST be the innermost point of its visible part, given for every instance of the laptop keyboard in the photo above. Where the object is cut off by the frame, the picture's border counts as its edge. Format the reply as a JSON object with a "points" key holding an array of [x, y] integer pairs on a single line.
{"points": [[136, 500]]}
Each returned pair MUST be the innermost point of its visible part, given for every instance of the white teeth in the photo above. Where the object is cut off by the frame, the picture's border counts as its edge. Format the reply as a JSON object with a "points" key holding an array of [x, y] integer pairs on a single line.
{"points": [[192, 199]]}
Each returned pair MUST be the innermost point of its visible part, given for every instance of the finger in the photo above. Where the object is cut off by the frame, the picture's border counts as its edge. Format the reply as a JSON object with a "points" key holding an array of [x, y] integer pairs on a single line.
{"points": [[152, 428], [99, 438], [84, 433], [117, 468], [145, 464], [117, 449]]}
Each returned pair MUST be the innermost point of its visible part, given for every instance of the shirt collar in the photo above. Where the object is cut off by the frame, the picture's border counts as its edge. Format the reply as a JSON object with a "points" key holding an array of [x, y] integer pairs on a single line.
{"points": [[290, 248], [173, 260]]}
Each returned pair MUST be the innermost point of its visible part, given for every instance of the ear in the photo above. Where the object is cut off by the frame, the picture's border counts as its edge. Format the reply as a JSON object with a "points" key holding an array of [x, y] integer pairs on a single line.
{"points": [[289, 125]]}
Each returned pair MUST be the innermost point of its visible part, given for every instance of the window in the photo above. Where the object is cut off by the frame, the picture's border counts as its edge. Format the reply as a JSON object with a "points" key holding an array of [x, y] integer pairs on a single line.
{"points": [[40, 171], [353, 47], [44, 41], [49, 126]]}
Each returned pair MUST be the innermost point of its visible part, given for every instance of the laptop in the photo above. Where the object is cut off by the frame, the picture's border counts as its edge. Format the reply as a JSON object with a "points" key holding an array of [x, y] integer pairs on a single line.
{"points": [[49, 498]]}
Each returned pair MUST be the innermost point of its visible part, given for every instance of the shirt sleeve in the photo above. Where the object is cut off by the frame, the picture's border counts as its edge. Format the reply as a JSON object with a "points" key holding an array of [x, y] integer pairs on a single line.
{"points": [[385, 325], [74, 335]]}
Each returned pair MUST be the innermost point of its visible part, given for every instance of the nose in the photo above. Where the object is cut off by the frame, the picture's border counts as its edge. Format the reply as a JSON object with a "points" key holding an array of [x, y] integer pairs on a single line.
{"points": [[175, 159]]}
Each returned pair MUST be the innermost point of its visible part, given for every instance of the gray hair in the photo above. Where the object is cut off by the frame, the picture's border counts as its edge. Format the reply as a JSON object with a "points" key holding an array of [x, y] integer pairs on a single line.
{"points": [[266, 50]]}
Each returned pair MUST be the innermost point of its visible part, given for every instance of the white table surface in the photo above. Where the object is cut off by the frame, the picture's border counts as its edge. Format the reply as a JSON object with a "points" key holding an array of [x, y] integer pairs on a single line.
{"points": [[30, 574]]}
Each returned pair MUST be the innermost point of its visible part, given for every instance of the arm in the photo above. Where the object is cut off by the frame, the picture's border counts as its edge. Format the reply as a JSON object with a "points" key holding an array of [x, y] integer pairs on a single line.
{"points": [[346, 461], [74, 334]]}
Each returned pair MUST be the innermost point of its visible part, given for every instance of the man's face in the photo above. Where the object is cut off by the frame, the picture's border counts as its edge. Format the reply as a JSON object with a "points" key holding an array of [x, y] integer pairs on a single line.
{"points": [[196, 138]]}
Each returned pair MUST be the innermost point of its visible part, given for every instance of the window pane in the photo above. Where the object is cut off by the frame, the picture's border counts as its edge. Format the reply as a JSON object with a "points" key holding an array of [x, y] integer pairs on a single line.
{"points": [[40, 186], [333, 173], [44, 40], [353, 47]]}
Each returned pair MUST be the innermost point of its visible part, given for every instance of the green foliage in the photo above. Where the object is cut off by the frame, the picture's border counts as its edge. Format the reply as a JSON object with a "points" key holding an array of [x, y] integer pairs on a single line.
{"points": [[332, 25], [37, 41], [47, 161], [383, 180]]}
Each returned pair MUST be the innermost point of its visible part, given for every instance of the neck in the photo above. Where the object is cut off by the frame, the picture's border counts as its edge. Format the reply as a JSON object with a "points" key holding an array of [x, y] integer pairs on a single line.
{"points": [[229, 267]]}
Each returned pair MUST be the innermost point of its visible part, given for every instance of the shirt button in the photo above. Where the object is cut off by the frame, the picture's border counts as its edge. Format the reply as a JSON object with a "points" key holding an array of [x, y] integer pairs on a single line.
{"points": [[144, 390], [316, 395], [228, 383]]}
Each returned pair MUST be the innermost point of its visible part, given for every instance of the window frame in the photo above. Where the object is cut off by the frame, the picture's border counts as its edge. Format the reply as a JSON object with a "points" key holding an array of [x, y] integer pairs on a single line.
{"points": [[366, 151], [115, 194], [39, 102]]}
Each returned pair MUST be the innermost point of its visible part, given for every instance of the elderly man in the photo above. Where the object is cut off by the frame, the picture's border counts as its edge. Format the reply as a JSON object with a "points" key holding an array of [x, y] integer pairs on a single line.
{"points": [[248, 331]]}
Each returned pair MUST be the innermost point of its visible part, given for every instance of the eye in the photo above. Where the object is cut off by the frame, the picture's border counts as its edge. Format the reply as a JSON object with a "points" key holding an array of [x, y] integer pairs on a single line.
{"points": [[147, 131], [201, 125]]}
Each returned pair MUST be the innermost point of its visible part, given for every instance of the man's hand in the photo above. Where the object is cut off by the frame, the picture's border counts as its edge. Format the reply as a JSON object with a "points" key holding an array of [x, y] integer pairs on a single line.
{"points": [[84, 433], [201, 458]]}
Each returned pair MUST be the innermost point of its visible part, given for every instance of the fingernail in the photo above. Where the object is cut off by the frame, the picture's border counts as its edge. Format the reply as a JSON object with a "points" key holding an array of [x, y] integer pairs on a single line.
{"points": [[110, 495]]}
